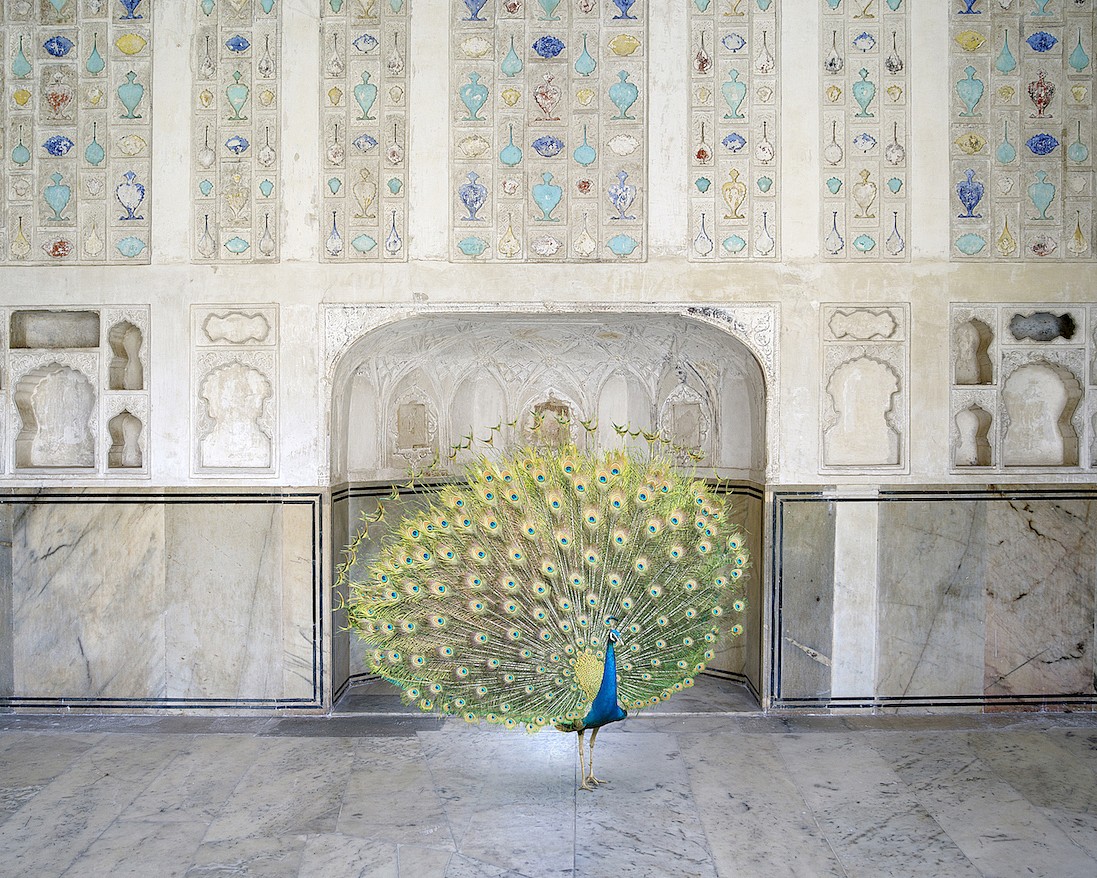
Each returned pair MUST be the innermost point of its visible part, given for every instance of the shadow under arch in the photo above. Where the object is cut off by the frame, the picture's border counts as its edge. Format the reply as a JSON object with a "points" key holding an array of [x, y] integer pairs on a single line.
{"points": [[726, 366]]}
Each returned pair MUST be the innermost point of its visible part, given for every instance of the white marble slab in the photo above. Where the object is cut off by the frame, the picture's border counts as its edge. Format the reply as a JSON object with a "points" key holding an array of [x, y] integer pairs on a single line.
{"points": [[88, 595], [332, 855]]}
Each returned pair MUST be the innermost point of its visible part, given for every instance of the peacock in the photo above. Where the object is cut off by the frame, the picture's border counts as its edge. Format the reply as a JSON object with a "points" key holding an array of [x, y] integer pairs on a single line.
{"points": [[553, 587]]}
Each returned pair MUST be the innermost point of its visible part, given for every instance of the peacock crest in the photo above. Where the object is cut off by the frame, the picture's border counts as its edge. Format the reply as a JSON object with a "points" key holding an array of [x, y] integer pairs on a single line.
{"points": [[518, 593]]}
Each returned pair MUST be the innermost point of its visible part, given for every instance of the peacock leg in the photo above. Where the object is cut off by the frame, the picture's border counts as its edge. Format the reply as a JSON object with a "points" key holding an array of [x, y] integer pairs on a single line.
{"points": [[590, 778], [582, 762]]}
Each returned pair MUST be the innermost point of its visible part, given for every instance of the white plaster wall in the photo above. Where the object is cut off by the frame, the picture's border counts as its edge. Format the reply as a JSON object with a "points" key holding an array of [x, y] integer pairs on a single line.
{"points": [[300, 284]]}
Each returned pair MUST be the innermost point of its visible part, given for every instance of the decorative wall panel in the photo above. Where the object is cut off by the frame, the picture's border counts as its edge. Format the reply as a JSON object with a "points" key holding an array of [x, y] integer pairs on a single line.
{"points": [[865, 407], [234, 380], [364, 95], [1022, 126], [76, 391], [734, 112], [77, 111], [1022, 390], [865, 58], [236, 134], [548, 113]]}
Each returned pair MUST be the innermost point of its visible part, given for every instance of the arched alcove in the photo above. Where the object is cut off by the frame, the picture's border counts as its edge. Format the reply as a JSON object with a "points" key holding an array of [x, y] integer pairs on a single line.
{"points": [[489, 370]]}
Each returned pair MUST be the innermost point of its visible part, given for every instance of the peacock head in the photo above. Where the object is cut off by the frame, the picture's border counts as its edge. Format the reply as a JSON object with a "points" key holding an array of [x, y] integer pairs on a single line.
{"points": [[614, 634]]}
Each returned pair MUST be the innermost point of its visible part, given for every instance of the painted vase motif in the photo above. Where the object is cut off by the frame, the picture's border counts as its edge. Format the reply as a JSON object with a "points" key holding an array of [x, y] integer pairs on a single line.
{"points": [[237, 95], [365, 93], [1041, 194], [549, 8], [624, 6], [473, 95], [1006, 151], [585, 64], [547, 195], [864, 193], [970, 193], [57, 196], [510, 155], [585, 154], [511, 64], [970, 91], [621, 195], [59, 98], [734, 192], [474, 7], [130, 194], [473, 195], [1040, 92], [365, 193], [623, 94], [734, 92], [547, 97], [131, 7], [864, 92]]}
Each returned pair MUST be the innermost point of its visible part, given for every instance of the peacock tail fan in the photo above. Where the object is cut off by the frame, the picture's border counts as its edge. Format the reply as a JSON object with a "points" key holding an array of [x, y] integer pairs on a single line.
{"points": [[493, 603]]}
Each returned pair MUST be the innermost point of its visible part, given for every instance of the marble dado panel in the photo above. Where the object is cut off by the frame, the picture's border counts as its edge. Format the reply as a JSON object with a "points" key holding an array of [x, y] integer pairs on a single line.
{"points": [[865, 57], [76, 117], [983, 598], [1022, 394], [734, 144], [168, 601], [1022, 124], [365, 130], [75, 387], [236, 186], [864, 398], [548, 118], [234, 380]]}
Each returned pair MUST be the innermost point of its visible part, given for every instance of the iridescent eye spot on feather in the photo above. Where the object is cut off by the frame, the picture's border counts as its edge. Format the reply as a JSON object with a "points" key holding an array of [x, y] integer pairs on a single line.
{"points": [[662, 621], [510, 607], [514, 634], [704, 547], [516, 555], [548, 569], [736, 630], [461, 671], [481, 637], [626, 604], [513, 497], [717, 612], [614, 581], [564, 604], [735, 574], [640, 565], [531, 531], [592, 559], [643, 496], [691, 613], [489, 496], [739, 606], [655, 591], [476, 606], [539, 477], [418, 660], [445, 651], [494, 663]]}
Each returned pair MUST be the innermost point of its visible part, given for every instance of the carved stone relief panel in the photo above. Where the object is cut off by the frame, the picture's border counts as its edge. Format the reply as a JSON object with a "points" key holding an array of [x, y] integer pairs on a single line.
{"points": [[1021, 390], [548, 109], [865, 58], [234, 380], [236, 133], [66, 373], [1022, 123], [364, 96], [77, 124], [864, 403], [734, 146]]}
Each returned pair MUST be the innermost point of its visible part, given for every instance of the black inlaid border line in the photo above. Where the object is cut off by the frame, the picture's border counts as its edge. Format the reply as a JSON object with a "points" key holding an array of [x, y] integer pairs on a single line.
{"points": [[830, 494], [164, 497]]}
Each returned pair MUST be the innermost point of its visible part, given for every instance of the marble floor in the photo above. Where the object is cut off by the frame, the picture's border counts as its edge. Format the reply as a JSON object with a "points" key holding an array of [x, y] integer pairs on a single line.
{"points": [[705, 787]]}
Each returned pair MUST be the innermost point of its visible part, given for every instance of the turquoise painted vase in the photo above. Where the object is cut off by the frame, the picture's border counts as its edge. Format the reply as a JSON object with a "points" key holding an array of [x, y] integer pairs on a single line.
{"points": [[20, 67], [864, 92], [511, 64], [585, 154], [546, 196], [237, 94], [1005, 62], [734, 92], [623, 94], [95, 63], [510, 155], [473, 95], [57, 196], [970, 91], [549, 8], [585, 64], [1006, 151], [94, 153], [366, 95], [1041, 194]]}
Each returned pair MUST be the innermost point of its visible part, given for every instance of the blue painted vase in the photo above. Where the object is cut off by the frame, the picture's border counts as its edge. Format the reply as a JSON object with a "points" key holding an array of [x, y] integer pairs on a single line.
{"points": [[130, 194], [473, 196], [624, 6], [970, 193], [621, 195]]}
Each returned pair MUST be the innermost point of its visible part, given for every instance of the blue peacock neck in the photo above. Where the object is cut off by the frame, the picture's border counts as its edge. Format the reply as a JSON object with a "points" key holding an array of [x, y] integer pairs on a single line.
{"points": [[604, 709]]}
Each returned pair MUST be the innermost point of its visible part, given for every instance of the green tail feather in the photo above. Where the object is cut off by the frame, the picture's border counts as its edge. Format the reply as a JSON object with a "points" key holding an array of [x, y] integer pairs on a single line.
{"points": [[479, 605]]}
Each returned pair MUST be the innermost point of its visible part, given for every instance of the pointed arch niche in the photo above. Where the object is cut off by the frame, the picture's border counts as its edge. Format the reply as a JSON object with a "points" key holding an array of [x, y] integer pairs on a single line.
{"points": [[450, 372]]}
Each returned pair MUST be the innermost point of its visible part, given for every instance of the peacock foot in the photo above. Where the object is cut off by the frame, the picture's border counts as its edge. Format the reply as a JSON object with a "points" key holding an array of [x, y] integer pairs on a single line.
{"points": [[587, 785], [592, 779]]}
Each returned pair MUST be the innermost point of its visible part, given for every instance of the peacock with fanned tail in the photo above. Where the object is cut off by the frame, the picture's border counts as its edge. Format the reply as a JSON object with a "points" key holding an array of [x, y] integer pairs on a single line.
{"points": [[554, 588]]}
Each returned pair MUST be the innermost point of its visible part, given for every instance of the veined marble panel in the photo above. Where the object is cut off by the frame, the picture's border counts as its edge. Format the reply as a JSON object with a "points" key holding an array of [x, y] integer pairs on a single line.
{"points": [[1040, 597], [931, 604], [365, 132], [7, 666], [88, 594], [805, 578], [77, 125], [734, 154], [865, 58]]}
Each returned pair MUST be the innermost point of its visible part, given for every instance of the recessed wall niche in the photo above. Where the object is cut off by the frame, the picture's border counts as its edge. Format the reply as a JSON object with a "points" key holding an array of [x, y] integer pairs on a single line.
{"points": [[864, 401], [234, 390], [1021, 397], [70, 374]]}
